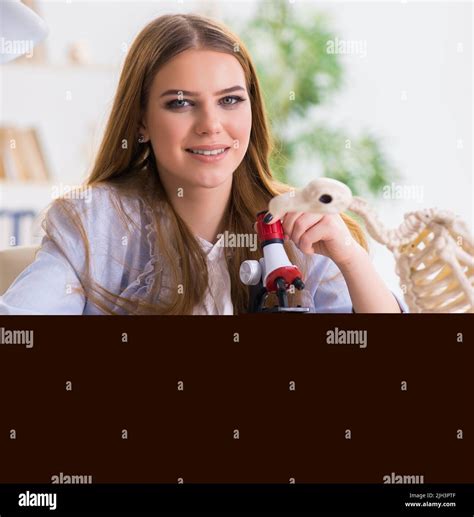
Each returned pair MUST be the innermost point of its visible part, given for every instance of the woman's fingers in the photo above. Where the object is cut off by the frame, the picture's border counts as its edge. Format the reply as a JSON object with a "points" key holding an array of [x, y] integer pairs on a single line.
{"points": [[300, 224], [289, 221], [310, 237]]}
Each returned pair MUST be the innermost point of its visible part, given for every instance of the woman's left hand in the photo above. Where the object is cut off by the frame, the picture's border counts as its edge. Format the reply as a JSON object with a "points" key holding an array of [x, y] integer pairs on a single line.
{"points": [[323, 234]]}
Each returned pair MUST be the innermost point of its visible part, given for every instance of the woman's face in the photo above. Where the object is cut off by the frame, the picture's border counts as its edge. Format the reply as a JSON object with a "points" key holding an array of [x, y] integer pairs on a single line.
{"points": [[175, 122]]}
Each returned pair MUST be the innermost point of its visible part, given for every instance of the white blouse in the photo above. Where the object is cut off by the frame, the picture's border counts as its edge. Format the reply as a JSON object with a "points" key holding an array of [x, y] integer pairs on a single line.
{"points": [[217, 299], [126, 263]]}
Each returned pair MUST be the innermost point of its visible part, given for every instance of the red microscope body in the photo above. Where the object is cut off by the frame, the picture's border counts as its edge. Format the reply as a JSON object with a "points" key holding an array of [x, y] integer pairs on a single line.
{"points": [[273, 273]]}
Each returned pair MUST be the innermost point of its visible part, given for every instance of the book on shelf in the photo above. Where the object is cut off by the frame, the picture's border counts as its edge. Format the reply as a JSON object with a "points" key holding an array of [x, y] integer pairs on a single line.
{"points": [[21, 155]]}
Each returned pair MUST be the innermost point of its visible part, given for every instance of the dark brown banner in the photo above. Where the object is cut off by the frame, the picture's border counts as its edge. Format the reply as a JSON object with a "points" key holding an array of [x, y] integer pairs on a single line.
{"points": [[274, 398]]}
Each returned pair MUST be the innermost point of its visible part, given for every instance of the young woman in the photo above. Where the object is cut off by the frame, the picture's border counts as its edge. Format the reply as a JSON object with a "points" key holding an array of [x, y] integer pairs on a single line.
{"points": [[140, 237]]}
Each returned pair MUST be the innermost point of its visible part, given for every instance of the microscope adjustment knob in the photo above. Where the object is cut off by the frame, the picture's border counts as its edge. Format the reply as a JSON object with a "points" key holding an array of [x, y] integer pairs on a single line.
{"points": [[250, 272], [298, 283]]}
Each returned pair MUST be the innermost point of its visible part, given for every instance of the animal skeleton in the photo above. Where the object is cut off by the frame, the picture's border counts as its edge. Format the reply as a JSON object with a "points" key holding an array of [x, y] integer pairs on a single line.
{"points": [[433, 248]]}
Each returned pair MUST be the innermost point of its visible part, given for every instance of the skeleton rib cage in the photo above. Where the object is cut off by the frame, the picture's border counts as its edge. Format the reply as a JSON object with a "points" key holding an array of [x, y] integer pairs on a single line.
{"points": [[434, 255]]}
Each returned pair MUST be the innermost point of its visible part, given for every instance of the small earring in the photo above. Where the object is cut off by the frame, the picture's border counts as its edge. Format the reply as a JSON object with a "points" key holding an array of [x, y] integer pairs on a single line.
{"points": [[141, 139]]}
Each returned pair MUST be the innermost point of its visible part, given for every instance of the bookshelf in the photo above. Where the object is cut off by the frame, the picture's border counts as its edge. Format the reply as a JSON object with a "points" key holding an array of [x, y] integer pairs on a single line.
{"points": [[68, 132], [20, 204]]}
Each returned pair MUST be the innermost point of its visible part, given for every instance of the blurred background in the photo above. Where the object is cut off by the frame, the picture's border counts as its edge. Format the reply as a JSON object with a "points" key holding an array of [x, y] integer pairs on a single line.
{"points": [[377, 95]]}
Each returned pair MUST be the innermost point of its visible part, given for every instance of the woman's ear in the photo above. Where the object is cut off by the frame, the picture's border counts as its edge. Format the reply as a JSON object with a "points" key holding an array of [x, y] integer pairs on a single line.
{"points": [[143, 135]]}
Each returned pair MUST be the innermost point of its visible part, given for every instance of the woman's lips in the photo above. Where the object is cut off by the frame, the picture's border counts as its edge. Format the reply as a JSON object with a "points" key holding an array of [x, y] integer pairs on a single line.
{"points": [[210, 158]]}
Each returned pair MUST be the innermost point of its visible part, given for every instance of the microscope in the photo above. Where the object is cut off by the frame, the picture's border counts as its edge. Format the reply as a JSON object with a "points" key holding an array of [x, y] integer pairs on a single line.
{"points": [[273, 273]]}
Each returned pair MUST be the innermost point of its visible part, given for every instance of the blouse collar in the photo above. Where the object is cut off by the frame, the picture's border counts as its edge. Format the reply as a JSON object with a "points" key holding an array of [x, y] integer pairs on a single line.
{"points": [[212, 250]]}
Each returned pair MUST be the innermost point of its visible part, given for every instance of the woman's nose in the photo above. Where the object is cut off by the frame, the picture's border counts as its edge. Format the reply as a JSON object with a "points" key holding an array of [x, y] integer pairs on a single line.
{"points": [[208, 121]]}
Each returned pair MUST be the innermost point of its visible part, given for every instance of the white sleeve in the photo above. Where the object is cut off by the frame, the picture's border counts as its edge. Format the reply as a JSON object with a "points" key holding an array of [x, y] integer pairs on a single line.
{"points": [[332, 293], [50, 285]]}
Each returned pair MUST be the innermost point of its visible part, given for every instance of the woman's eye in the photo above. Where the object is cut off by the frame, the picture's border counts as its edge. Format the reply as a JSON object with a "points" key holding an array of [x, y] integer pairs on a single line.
{"points": [[236, 98], [173, 104]]}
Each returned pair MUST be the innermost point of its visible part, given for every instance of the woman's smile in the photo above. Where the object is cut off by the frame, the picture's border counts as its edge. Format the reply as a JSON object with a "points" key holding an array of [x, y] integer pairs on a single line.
{"points": [[209, 156]]}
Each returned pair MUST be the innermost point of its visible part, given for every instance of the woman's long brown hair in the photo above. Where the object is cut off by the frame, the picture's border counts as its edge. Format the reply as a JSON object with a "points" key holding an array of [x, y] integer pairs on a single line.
{"points": [[130, 167]]}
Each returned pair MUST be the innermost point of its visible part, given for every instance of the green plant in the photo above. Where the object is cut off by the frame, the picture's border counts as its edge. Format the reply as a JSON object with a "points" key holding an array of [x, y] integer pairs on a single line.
{"points": [[297, 74]]}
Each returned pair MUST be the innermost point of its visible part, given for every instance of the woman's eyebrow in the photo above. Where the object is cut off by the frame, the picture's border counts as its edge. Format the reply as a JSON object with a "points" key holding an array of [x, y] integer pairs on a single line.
{"points": [[196, 94]]}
